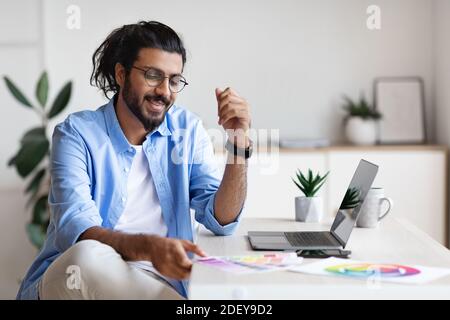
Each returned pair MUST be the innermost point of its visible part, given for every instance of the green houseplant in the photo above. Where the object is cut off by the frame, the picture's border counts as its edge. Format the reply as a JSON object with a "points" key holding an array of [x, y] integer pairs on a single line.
{"points": [[360, 121], [309, 208], [32, 159]]}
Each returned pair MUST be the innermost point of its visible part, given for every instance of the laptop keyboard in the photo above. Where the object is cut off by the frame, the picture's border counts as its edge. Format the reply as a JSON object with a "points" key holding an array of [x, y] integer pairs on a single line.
{"points": [[298, 239]]}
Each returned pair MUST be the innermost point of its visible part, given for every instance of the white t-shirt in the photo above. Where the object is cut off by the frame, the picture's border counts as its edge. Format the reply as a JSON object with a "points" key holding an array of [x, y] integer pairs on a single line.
{"points": [[142, 213]]}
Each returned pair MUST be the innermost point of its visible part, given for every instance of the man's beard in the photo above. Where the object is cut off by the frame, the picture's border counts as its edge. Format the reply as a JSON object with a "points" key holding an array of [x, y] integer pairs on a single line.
{"points": [[153, 119]]}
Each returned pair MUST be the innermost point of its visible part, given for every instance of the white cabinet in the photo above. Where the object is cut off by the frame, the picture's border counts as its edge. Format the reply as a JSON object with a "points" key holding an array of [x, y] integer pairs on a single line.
{"points": [[415, 177]]}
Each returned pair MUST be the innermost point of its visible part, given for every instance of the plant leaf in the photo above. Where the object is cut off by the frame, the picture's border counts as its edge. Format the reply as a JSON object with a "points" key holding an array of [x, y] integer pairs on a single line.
{"points": [[36, 235], [40, 213], [12, 161], [316, 179], [33, 134], [36, 181], [318, 188], [15, 91], [322, 178], [35, 146], [300, 187], [61, 101], [302, 179], [42, 89]]}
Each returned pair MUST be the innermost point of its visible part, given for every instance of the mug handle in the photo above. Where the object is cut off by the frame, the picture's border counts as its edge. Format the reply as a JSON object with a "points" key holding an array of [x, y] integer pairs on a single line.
{"points": [[391, 205]]}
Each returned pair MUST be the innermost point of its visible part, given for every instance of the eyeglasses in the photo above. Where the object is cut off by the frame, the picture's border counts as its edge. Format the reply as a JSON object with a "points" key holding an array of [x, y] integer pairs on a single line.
{"points": [[155, 78]]}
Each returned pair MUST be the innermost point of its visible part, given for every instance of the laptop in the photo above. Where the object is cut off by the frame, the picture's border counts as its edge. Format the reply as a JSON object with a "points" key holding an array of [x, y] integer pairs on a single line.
{"points": [[341, 228]]}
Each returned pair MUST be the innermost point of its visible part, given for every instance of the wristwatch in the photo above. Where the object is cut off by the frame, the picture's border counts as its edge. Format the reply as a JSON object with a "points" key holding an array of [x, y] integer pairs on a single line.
{"points": [[241, 152]]}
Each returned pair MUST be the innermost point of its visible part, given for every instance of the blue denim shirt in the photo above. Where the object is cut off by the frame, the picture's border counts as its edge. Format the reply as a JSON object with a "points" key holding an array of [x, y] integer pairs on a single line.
{"points": [[89, 161]]}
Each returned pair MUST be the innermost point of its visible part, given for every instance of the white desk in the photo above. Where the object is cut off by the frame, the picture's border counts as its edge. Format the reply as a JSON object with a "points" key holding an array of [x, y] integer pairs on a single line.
{"points": [[395, 241]]}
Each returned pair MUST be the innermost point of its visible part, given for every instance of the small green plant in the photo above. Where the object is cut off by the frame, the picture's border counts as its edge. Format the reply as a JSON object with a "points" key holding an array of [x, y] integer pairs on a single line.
{"points": [[34, 152], [309, 184], [360, 109], [351, 199]]}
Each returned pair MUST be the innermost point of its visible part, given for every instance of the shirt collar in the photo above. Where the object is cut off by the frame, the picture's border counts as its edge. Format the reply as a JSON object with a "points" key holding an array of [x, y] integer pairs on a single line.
{"points": [[118, 138], [163, 129]]}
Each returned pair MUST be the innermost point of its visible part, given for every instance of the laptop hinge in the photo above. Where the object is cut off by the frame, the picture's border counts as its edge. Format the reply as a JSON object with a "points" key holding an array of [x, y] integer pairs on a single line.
{"points": [[341, 242]]}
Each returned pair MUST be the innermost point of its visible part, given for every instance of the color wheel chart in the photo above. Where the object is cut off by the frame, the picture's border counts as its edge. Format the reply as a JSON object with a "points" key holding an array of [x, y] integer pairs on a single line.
{"points": [[365, 270]]}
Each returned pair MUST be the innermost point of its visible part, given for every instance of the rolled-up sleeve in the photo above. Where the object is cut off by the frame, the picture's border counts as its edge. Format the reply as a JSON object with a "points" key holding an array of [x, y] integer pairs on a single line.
{"points": [[72, 208], [205, 178]]}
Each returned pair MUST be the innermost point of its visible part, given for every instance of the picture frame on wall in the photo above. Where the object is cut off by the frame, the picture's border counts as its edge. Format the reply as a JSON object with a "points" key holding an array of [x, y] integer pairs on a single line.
{"points": [[401, 101]]}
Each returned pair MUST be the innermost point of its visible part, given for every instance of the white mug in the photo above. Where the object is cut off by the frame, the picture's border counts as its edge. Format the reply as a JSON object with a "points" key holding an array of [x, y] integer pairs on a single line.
{"points": [[370, 214]]}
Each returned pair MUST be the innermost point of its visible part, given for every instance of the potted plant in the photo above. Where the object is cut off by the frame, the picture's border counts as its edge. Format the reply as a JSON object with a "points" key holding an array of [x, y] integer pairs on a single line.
{"points": [[309, 208], [360, 121], [32, 159]]}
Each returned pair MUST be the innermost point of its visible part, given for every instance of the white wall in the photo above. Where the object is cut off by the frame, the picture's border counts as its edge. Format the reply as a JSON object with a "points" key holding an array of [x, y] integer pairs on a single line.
{"points": [[20, 59], [442, 72], [291, 59]]}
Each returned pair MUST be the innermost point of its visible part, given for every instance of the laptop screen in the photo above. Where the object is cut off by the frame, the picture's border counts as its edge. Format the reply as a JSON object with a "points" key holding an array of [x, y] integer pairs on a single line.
{"points": [[354, 197]]}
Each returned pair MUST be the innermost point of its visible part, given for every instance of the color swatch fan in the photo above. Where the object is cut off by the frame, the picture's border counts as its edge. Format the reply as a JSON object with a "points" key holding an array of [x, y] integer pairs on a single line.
{"points": [[252, 263]]}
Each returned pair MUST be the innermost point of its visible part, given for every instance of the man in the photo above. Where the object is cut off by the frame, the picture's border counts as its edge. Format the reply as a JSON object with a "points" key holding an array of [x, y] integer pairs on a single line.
{"points": [[124, 178]]}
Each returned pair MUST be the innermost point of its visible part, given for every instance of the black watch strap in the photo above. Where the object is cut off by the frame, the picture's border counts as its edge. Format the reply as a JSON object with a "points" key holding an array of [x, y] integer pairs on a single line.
{"points": [[241, 152]]}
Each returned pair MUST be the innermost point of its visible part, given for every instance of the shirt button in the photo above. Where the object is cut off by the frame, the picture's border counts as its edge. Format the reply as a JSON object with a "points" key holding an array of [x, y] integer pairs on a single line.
{"points": [[124, 199], [126, 169]]}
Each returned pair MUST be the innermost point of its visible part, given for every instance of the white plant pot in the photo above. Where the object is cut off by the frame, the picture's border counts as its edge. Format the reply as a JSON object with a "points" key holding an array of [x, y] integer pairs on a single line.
{"points": [[308, 209], [361, 132]]}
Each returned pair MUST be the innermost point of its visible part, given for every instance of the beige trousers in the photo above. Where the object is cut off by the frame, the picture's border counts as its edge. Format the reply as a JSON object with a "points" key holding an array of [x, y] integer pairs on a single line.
{"points": [[93, 270]]}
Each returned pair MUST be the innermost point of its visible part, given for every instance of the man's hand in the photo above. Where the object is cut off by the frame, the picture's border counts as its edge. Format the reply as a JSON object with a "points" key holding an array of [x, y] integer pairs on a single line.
{"points": [[169, 256], [234, 115]]}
